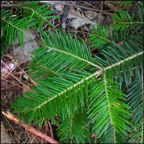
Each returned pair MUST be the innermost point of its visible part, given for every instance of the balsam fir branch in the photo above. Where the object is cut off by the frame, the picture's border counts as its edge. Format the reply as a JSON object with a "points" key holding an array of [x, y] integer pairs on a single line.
{"points": [[124, 22], [84, 92], [13, 27], [39, 13]]}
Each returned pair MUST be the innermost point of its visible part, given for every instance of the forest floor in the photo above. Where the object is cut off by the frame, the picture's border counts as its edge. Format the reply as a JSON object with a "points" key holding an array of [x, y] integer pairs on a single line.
{"points": [[77, 17]]}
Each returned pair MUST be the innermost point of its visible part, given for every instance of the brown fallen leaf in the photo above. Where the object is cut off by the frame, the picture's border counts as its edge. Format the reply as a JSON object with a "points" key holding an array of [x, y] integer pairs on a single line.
{"points": [[90, 14], [79, 19]]}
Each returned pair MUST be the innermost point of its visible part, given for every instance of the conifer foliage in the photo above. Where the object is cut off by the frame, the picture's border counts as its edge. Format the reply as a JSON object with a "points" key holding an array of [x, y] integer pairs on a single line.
{"points": [[85, 93]]}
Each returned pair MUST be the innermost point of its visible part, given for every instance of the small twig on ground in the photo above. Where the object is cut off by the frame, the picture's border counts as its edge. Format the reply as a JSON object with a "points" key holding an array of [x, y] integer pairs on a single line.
{"points": [[62, 3], [13, 140], [46, 130], [28, 136], [38, 37], [20, 81], [36, 140], [11, 83], [5, 64], [29, 128], [55, 26], [42, 140], [111, 25], [85, 39], [87, 3], [33, 139], [100, 11], [51, 132]]}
